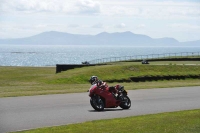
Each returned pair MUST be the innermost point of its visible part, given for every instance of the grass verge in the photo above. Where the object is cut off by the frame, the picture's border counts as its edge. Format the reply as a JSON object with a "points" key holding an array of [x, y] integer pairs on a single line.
{"points": [[27, 81], [174, 122], [14, 91]]}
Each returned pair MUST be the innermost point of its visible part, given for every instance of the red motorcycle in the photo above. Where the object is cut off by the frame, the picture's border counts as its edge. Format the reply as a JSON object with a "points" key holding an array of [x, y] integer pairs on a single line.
{"points": [[105, 97]]}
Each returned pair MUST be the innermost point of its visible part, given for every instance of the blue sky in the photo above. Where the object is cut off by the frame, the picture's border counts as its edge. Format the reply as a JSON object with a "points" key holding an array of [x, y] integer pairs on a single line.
{"points": [[179, 19]]}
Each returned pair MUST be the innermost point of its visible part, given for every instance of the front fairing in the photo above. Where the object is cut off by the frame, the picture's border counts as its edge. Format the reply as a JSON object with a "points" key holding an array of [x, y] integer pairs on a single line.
{"points": [[92, 90], [109, 99]]}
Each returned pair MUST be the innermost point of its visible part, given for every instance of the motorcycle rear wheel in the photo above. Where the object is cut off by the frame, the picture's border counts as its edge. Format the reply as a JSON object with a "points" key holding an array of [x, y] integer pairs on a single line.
{"points": [[97, 103], [126, 103]]}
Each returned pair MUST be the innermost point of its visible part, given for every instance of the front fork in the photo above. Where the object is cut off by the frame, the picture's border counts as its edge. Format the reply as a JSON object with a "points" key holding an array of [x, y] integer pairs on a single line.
{"points": [[122, 95], [96, 98]]}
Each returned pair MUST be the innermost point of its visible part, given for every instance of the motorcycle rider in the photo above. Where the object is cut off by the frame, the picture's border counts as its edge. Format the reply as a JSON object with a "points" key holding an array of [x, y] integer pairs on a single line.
{"points": [[102, 85]]}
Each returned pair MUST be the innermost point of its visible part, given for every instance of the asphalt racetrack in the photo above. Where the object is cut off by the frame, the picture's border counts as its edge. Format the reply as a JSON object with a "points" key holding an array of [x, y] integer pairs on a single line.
{"points": [[22, 113]]}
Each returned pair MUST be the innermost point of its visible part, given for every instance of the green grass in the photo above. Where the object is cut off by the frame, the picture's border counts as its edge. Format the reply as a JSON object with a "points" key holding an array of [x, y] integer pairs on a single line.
{"points": [[175, 122], [25, 81], [118, 72]]}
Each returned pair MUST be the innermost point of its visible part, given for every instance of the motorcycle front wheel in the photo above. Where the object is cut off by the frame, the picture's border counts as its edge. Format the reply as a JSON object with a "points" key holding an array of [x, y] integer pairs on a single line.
{"points": [[126, 103], [97, 103]]}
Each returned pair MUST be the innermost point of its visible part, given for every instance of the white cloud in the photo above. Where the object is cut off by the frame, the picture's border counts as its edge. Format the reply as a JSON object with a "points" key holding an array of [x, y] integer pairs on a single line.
{"points": [[29, 6], [41, 26], [153, 9], [50, 6], [88, 7], [73, 26], [136, 8], [122, 25], [185, 26], [141, 26], [99, 25]]}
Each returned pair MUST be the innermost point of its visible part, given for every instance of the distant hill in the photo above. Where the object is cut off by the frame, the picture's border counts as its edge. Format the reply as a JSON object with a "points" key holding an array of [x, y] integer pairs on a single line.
{"points": [[191, 43], [104, 38]]}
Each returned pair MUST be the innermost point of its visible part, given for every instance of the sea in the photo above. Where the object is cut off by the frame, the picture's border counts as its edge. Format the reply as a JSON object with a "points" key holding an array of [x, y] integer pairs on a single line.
{"points": [[50, 55]]}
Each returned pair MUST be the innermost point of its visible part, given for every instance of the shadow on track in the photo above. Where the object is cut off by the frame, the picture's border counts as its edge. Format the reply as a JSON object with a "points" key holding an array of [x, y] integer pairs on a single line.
{"points": [[105, 110]]}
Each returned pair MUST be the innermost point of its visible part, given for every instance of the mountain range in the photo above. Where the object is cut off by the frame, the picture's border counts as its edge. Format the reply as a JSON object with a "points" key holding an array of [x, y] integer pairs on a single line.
{"points": [[104, 38]]}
